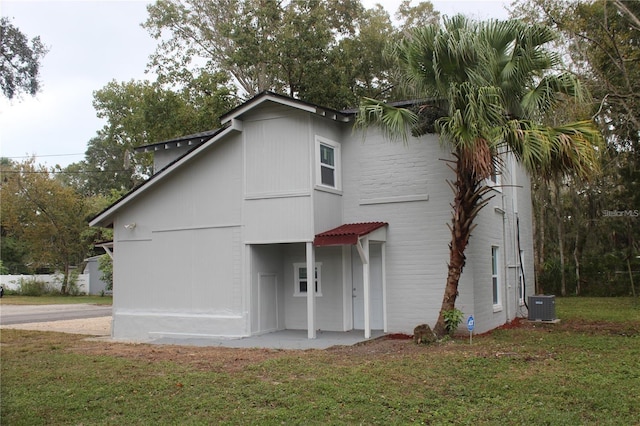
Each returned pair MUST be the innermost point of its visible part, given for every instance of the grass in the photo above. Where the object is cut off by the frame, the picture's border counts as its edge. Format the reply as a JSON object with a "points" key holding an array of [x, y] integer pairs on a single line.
{"points": [[581, 371], [54, 300], [599, 308]]}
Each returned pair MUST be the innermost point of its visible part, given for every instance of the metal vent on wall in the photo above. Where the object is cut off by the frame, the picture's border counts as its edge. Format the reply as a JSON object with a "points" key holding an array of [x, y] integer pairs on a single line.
{"points": [[542, 308]]}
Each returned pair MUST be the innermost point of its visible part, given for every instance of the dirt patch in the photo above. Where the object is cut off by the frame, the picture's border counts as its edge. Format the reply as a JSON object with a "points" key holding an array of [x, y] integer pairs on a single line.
{"points": [[199, 358], [223, 359], [391, 346]]}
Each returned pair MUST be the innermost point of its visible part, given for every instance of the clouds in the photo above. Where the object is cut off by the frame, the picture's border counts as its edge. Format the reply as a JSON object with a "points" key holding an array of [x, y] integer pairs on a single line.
{"points": [[90, 43]]}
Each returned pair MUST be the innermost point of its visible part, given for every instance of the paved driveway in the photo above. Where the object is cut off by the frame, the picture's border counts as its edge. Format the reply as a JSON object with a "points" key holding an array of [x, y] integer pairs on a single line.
{"points": [[22, 314]]}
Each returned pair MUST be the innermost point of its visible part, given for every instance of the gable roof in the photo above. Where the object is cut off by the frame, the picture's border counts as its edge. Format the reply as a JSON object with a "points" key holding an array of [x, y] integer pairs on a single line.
{"points": [[268, 96], [230, 123]]}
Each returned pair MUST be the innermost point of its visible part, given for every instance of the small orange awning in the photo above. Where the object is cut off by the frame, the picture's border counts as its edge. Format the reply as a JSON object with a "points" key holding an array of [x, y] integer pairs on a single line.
{"points": [[346, 234]]}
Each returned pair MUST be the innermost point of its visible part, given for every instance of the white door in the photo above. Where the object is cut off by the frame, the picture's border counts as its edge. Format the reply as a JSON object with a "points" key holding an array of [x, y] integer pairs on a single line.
{"points": [[268, 302], [375, 260]]}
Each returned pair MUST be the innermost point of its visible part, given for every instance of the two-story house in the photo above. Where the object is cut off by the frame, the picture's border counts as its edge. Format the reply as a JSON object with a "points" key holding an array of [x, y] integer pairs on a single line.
{"points": [[288, 218]]}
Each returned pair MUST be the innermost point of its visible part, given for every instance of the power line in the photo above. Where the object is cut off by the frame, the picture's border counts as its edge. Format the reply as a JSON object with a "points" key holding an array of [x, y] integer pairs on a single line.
{"points": [[46, 155], [62, 171]]}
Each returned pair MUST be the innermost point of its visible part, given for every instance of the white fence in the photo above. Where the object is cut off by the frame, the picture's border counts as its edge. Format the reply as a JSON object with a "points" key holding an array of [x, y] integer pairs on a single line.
{"points": [[54, 281]]}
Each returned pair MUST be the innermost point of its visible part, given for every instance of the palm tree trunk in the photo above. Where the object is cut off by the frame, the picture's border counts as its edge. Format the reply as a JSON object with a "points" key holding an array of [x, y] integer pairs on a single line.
{"points": [[576, 259], [468, 201], [540, 200], [560, 224]]}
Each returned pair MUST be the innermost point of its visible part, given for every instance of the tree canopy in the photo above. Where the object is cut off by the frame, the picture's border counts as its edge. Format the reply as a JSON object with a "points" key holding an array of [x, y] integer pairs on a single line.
{"points": [[139, 113], [586, 239], [327, 52], [19, 61], [44, 221]]}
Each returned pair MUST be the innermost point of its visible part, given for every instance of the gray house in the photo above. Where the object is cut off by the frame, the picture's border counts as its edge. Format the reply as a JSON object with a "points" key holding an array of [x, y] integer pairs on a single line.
{"points": [[287, 218]]}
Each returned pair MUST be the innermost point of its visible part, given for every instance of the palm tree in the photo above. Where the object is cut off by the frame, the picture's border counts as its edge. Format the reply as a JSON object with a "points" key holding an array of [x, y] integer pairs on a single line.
{"points": [[492, 84]]}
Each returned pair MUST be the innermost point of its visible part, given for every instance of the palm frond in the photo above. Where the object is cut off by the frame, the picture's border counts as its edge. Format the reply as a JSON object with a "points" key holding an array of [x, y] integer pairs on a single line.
{"points": [[544, 150], [395, 123], [545, 96], [498, 80]]}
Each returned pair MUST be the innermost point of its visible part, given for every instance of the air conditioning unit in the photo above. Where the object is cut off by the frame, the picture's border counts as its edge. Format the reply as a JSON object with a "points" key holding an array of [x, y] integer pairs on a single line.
{"points": [[542, 308]]}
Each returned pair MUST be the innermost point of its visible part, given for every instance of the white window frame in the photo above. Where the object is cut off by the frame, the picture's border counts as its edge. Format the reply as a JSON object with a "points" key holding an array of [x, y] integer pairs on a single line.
{"points": [[495, 180], [337, 166], [496, 279], [296, 279], [521, 289]]}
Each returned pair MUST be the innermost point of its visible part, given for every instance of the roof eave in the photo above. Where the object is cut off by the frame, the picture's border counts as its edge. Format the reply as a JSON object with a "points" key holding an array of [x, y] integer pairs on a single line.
{"points": [[286, 101]]}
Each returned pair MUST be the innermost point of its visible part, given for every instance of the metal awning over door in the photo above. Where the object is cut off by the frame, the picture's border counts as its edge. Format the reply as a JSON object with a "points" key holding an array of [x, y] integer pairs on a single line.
{"points": [[350, 233], [360, 235]]}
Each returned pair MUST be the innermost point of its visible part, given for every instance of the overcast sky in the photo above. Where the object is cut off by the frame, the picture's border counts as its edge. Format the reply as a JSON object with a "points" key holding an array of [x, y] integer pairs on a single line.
{"points": [[91, 43]]}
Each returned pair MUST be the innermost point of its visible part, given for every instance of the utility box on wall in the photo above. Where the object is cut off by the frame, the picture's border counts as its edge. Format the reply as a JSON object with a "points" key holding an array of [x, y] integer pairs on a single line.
{"points": [[542, 308]]}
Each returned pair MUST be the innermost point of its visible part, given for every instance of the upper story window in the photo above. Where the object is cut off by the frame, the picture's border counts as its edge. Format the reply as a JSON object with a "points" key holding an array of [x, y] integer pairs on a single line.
{"points": [[328, 163], [495, 180]]}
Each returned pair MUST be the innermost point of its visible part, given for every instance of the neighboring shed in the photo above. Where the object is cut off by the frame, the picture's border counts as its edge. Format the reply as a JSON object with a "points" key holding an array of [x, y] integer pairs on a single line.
{"points": [[96, 285]]}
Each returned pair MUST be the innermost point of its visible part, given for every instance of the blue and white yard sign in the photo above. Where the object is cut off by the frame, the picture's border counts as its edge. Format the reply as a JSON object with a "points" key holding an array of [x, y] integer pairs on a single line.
{"points": [[471, 323]]}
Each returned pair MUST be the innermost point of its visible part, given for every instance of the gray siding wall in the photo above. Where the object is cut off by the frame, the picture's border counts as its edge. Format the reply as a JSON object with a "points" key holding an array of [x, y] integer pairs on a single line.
{"points": [[179, 270], [327, 203], [329, 306], [267, 259], [277, 188], [163, 157]]}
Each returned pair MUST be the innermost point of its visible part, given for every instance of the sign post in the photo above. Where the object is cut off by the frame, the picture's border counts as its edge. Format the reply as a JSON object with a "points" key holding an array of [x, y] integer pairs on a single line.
{"points": [[470, 326]]}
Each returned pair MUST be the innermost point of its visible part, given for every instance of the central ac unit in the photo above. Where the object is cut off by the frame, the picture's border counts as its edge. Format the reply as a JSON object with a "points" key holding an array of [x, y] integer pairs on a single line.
{"points": [[542, 308]]}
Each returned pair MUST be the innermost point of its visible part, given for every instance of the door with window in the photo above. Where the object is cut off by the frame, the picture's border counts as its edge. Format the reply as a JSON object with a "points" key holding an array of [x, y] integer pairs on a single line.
{"points": [[377, 322]]}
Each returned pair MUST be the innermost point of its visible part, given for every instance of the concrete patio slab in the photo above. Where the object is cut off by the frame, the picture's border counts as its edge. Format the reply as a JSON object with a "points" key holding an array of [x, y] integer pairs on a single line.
{"points": [[284, 339]]}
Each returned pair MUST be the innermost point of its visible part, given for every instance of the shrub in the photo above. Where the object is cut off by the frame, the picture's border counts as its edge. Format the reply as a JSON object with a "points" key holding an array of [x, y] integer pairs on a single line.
{"points": [[105, 265], [33, 287], [452, 320], [72, 284]]}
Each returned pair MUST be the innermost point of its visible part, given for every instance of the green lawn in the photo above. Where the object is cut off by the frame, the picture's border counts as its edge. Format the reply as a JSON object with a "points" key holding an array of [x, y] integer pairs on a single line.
{"points": [[582, 371], [54, 300]]}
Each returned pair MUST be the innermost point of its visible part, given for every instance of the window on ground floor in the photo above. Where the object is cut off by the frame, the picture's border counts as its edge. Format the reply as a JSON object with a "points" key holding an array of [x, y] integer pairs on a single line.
{"points": [[301, 278], [521, 289], [495, 278]]}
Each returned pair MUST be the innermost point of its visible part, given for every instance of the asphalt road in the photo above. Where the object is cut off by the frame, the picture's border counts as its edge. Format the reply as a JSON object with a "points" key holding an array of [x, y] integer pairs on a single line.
{"points": [[22, 314]]}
